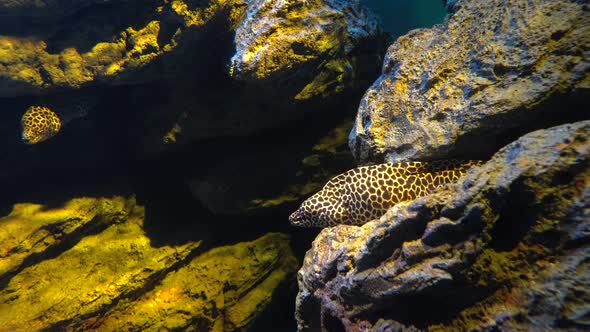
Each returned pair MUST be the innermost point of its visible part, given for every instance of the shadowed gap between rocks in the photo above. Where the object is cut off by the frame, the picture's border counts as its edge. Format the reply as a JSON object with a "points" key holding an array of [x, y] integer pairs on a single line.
{"points": [[555, 110], [519, 214]]}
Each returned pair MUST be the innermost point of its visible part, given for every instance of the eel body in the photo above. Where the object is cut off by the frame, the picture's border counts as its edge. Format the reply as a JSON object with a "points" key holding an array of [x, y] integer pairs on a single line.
{"points": [[365, 193]]}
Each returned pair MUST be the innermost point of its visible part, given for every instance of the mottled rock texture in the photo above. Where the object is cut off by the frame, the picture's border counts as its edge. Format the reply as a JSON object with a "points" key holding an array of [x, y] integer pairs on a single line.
{"points": [[289, 59], [504, 248], [494, 70], [89, 265], [123, 42], [314, 42]]}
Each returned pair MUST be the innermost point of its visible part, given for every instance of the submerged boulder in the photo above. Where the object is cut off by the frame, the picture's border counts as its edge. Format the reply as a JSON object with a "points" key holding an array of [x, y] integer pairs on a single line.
{"points": [[503, 248], [312, 45], [88, 264], [161, 72], [491, 72]]}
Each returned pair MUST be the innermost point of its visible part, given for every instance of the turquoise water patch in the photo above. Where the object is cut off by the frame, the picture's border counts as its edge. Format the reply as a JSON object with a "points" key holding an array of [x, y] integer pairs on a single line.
{"points": [[400, 16]]}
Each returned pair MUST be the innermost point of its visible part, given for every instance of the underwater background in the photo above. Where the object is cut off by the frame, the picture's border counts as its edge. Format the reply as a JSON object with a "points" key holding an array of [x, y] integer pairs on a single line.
{"points": [[152, 153]]}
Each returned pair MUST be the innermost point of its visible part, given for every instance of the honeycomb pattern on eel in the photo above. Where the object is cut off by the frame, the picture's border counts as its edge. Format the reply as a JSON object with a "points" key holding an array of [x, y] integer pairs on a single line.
{"points": [[366, 193], [39, 123]]}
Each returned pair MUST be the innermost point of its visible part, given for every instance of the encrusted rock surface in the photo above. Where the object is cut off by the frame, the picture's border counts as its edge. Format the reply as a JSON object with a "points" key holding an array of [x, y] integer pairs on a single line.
{"points": [[319, 46], [129, 42], [504, 248], [314, 42], [289, 59], [494, 70], [89, 265]]}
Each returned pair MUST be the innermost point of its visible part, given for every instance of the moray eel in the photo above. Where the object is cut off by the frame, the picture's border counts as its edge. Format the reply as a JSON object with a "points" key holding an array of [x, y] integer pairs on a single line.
{"points": [[365, 193], [40, 123]]}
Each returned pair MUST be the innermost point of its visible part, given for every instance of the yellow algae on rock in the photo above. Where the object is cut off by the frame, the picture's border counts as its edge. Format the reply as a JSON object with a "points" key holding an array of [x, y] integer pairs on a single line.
{"points": [[34, 228], [88, 265], [143, 44], [223, 289], [309, 42], [483, 75], [74, 260]]}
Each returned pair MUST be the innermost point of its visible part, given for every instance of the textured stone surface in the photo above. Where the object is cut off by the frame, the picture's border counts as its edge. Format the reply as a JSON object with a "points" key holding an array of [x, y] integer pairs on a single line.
{"points": [[289, 59], [491, 72], [89, 265], [314, 42], [129, 42], [505, 248]]}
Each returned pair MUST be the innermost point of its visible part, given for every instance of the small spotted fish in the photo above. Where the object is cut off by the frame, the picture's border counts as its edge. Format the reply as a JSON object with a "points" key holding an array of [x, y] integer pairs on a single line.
{"points": [[366, 193], [39, 123]]}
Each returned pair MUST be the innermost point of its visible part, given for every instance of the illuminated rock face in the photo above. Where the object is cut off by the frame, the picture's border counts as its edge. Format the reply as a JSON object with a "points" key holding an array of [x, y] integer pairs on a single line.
{"points": [[491, 72], [115, 42], [506, 244], [88, 264], [314, 45]]}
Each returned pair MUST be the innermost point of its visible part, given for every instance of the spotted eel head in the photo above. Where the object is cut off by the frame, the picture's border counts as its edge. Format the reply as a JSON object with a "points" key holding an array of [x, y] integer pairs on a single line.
{"points": [[320, 210], [39, 123]]}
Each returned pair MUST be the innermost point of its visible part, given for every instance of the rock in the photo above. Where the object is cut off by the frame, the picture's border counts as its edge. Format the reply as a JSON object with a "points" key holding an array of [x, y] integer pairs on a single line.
{"points": [[161, 69], [504, 248], [291, 59], [487, 75], [123, 43], [89, 265], [312, 45]]}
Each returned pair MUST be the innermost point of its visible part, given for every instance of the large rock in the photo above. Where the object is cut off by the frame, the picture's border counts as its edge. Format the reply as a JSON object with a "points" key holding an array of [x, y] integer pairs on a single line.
{"points": [[315, 45], [505, 248], [88, 264], [491, 72]]}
